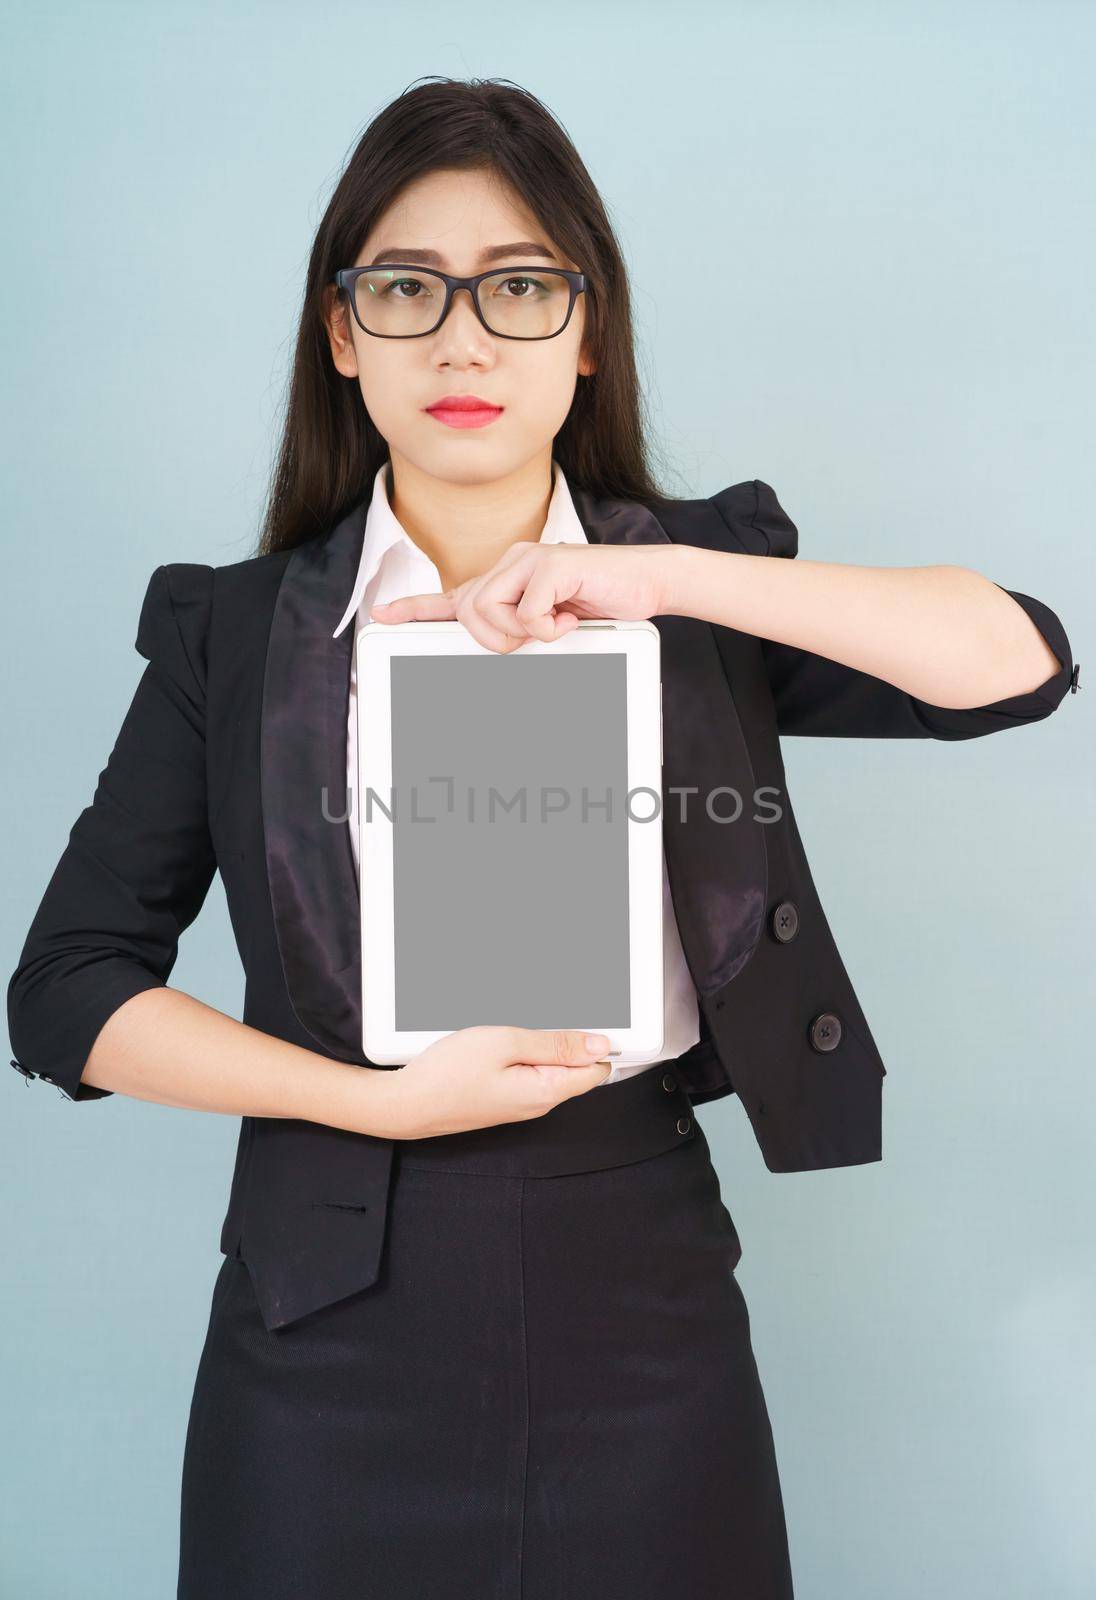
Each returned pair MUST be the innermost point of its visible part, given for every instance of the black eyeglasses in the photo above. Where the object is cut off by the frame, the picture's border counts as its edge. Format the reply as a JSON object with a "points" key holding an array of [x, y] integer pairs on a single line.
{"points": [[397, 302]]}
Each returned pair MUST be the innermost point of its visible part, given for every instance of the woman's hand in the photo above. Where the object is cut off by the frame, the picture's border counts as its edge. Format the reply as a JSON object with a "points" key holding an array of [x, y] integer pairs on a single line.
{"points": [[541, 591], [477, 1077]]}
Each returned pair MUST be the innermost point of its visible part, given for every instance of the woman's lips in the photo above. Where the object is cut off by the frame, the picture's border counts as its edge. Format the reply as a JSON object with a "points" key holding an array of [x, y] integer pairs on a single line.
{"points": [[464, 411]]}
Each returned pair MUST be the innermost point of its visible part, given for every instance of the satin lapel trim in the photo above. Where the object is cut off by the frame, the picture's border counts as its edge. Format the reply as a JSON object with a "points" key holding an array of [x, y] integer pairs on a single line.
{"points": [[718, 871], [309, 858]]}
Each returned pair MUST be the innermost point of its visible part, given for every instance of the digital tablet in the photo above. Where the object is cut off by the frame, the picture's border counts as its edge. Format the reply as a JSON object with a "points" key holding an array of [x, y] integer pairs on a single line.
{"points": [[510, 834]]}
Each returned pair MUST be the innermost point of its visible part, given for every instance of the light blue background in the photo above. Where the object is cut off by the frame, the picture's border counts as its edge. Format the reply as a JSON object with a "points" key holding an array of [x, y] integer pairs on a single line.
{"points": [[892, 208]]}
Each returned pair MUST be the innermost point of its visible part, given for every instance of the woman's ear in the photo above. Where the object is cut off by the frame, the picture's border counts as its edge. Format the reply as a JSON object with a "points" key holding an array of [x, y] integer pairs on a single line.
{"points": [[587, 366], [337, 323]]}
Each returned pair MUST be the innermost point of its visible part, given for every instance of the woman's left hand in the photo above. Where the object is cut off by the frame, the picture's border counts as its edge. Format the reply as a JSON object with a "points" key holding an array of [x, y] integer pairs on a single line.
{"points": [[542, 591]]}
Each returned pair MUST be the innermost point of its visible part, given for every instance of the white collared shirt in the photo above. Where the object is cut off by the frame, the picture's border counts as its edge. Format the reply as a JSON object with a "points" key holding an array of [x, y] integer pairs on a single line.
{"points": [[392, 566]]}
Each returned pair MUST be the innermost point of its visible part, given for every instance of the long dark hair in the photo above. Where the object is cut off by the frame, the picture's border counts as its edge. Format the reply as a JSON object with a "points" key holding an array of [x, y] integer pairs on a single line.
{"points": [[330, 448]]}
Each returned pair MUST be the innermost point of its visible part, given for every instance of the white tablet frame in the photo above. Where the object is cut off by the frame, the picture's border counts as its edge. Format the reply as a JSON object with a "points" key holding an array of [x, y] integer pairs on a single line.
{"points": [[375, 645]]}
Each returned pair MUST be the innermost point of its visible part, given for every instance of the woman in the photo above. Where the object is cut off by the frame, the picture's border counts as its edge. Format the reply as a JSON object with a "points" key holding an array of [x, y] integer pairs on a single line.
{"points": [[477, 1330]]}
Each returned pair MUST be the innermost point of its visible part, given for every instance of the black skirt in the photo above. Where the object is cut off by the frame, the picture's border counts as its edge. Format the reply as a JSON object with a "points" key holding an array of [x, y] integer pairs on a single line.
{"points": [[549, 1393]]}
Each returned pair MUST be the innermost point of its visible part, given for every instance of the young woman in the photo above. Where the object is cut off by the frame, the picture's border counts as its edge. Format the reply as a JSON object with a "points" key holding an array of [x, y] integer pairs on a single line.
{"points": [[477, 1330]]}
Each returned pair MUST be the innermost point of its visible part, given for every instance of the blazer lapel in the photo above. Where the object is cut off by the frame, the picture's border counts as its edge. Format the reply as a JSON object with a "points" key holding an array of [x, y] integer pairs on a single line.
{"points": [[717, 870], [309, 858]]}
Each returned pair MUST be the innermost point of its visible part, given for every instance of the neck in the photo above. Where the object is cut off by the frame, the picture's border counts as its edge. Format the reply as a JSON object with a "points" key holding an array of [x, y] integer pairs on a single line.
{"points": [[465, 527]]}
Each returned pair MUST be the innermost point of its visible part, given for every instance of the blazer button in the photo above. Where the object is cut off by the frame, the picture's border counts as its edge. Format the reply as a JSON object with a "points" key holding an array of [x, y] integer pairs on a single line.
{"points": [[825, 1031], [785, 921], [684, 1124], [669, 1082], [27, 1073]]}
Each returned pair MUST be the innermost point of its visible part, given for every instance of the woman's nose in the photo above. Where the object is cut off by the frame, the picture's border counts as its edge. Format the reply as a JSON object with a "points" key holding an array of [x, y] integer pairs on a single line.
{"points": [[462, 340]]}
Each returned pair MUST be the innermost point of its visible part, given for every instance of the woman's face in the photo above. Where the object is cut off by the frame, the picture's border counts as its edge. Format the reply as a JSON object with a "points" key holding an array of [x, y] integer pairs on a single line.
{"points": [[456, 221]]}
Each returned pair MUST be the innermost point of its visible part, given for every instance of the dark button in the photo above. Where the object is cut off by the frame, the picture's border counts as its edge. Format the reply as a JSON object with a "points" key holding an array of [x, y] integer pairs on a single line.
{"points": [[27, 1073], [669, 1082], [785, 921], [1074, 679], [684, 1124], [825, 1033]]}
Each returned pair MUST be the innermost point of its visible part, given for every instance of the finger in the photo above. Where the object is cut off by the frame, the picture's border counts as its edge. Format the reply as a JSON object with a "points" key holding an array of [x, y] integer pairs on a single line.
{"points": [[416, 608], [547, 1086], [579, 1080], [497, 595], [486, 632], [546, 610], [502, 616], [564, 1047], [538, 610], [564, 622]]}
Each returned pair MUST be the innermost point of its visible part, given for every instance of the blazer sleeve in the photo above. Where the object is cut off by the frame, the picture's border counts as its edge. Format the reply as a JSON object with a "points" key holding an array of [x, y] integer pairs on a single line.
{"points": [[139, 859], [814, 695]]}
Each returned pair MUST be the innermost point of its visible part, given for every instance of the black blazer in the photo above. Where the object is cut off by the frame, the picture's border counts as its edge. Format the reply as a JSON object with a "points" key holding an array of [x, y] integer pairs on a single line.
{"points": [[233, 752]]}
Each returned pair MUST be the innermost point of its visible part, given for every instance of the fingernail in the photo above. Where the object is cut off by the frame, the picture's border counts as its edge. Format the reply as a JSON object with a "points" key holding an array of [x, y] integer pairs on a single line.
{"points": [[597, 1042]]}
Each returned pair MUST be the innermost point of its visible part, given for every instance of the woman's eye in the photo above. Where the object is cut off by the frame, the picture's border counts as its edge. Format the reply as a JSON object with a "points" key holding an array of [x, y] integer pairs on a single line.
{"points": [[399, 284], [519, 288]]}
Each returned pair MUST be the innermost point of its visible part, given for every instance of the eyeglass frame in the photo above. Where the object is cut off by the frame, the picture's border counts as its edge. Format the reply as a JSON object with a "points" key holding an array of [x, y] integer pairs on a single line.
{"points": [[346, 277]]}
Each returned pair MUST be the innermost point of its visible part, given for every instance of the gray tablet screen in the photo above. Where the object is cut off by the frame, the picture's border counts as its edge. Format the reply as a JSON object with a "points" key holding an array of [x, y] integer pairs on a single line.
{"points": [[510, 841]]}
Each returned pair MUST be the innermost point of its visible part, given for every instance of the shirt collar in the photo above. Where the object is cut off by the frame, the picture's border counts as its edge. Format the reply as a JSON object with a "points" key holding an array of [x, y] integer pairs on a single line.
{"points": [[383, 532]]}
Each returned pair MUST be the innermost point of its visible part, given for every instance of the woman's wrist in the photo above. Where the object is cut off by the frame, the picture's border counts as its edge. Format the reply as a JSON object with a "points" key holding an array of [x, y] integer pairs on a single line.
{"points": [[369, 1100], [687, 573]]}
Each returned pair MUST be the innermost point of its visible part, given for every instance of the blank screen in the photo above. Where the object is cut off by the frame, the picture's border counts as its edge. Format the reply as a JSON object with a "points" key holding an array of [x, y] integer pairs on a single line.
{"points": [[507, 914]]}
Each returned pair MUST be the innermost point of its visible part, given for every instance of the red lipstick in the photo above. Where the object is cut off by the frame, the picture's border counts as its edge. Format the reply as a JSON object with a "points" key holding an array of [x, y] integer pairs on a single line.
{"points": [[464, 411]]}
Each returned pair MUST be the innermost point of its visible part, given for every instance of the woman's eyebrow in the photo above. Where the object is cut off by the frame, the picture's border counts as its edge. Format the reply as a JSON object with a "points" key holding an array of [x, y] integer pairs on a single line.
{"points": [[494, 252]]}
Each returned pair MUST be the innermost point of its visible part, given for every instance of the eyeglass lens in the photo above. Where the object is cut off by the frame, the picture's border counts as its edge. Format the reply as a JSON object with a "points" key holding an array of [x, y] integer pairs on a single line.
{"points": [[403, 303]]}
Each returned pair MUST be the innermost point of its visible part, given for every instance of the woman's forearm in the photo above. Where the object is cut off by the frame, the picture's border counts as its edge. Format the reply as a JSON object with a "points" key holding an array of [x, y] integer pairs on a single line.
{"points": [[946, 634], [165, 1046]]}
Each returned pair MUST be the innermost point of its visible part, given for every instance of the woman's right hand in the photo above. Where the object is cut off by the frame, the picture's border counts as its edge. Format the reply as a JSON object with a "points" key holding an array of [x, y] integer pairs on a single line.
{"points": [[478, 1077]]}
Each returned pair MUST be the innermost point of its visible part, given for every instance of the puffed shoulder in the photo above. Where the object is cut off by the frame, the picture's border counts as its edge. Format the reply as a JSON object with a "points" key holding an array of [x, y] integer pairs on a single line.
{"points": [[173, 629], [757, 519]]}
